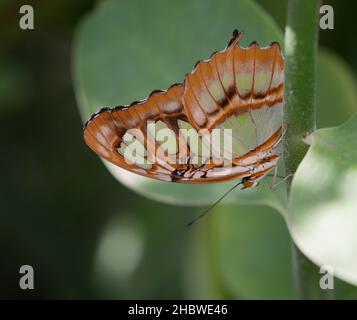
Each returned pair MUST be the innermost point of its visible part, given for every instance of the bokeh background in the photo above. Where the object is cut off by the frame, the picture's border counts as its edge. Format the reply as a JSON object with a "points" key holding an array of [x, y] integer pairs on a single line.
{"points": [[86, 235]]}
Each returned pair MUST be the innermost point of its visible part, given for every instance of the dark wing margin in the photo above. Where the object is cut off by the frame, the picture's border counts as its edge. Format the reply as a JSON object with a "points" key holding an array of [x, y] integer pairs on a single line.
{"points": [[105, 130], [233, 81]]}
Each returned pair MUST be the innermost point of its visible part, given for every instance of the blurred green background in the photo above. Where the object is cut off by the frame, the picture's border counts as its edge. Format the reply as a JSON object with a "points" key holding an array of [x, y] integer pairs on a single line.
{"points": [[86, 235]]}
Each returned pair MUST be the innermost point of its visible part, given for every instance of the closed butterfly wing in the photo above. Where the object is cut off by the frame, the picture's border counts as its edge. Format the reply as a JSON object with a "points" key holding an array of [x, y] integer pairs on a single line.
{"points": [[238, 90], [125, 135]]}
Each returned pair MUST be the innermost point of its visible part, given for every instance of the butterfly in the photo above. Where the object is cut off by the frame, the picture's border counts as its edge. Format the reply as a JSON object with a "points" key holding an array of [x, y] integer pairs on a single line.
{"points": [[237, 90]]}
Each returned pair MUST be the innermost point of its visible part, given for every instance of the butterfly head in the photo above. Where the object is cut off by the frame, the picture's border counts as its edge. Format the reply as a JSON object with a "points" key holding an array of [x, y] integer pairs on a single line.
{"points": [[248, 182]]}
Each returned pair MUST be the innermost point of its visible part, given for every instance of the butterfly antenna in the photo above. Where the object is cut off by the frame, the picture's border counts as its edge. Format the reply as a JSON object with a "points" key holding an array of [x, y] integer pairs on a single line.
{"points": [[213, 205]]}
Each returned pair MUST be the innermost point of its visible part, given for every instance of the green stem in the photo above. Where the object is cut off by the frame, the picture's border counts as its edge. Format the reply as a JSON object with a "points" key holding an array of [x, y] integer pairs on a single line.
{"points": [[307, 277], [301, 43], [301, 40]]}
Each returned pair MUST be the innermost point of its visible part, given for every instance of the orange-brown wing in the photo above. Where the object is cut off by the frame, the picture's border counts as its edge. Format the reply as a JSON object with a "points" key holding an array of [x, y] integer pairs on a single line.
{"points": [[240, 89], [237, 89], [110, 132], [233, 82]]}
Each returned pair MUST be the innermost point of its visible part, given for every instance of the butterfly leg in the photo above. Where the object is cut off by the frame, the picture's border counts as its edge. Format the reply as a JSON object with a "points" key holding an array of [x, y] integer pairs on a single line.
{"points": [[272, 184]]}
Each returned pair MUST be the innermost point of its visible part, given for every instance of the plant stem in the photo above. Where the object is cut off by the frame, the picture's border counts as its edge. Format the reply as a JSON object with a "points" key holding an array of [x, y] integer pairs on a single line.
{"points": [[301, 43], [307, 277], [301, 40]]}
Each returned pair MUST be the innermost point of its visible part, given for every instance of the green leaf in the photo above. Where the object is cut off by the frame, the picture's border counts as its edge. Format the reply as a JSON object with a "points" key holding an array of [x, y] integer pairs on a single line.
{"points": [[240, 252], [125, 49], [251, 248], [202, 277], [336, 101], [323, 202], [336, 90], [196, 195]]}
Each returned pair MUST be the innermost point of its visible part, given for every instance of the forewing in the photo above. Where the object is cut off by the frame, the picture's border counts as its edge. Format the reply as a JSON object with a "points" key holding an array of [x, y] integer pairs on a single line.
{"points": [[239, 89]]}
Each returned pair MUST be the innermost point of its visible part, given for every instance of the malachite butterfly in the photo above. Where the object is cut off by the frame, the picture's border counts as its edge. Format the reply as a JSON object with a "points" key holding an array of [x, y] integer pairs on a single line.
{"points": [[238, 93]]}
